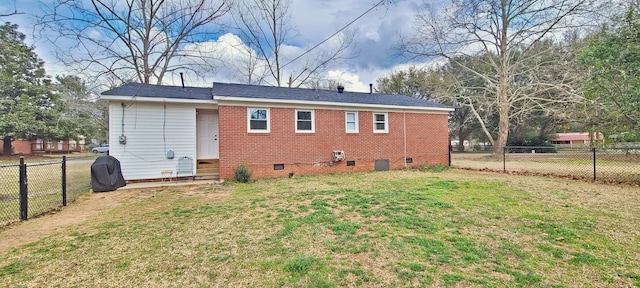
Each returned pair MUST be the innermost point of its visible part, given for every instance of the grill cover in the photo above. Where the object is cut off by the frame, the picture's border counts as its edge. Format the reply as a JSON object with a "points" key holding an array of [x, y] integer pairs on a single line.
{"points": [[106, 174]]}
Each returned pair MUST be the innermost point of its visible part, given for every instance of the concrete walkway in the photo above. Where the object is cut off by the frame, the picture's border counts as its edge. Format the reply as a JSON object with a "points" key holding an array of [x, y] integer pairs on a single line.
{"points": [[143, 185]]}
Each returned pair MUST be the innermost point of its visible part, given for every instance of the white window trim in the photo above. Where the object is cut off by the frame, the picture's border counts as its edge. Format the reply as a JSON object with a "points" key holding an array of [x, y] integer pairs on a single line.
{"points": [[346, 126], [386, 122], [313, 121], [249, 130]]}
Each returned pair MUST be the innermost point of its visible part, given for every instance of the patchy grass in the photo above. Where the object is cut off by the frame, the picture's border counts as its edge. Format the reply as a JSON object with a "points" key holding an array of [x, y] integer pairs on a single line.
{"points": [[401, 228]]}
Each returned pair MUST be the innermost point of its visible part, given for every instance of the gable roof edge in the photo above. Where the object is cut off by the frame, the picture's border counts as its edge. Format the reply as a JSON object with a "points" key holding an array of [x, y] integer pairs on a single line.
{"points": [[156, 99]]}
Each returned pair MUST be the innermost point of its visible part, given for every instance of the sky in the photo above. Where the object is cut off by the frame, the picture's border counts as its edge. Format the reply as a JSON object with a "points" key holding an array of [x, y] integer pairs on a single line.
{"points": [[374, 47]]}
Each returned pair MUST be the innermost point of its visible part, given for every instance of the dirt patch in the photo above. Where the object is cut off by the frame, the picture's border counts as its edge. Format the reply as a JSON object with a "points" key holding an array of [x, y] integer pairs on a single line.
{"points": [[206, 191], [90, 205], [82, 209]]}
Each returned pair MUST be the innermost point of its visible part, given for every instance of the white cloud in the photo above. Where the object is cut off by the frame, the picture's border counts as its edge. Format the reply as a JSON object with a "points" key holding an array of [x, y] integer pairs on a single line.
{"points": [[93, 34], [350, 81], [290, 52], [219, 60], [226, 47]]}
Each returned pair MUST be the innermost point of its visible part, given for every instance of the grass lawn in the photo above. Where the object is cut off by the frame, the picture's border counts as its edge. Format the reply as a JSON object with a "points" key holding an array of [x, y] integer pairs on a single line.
{"points": [[401, 228]]}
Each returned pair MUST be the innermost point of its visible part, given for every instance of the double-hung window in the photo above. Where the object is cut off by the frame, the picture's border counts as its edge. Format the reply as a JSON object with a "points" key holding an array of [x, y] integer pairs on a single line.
{"points": [[258, 120], [351, 121], [380, 123], [305, 121]]}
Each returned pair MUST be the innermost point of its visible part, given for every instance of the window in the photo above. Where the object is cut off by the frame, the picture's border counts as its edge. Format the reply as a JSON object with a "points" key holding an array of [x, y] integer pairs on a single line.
{"points": [[304, 121], [258, 119], [351, 122], [380, 123]]}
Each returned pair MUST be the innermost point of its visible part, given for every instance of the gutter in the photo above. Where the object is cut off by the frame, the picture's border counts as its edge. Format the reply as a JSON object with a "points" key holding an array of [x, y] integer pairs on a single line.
{"points": [[242, 101]]}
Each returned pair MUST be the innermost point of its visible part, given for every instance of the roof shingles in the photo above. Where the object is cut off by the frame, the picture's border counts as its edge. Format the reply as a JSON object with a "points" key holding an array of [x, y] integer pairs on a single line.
{"points": [[222, 90]]}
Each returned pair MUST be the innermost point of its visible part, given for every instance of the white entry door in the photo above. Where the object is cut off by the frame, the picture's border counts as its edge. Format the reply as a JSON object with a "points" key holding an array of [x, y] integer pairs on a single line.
{"points": [[208, 146]]}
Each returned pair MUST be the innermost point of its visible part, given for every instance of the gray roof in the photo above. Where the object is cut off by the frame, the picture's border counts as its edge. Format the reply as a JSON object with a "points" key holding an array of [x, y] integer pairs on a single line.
{"points": [[221, 90], [160, 91]]}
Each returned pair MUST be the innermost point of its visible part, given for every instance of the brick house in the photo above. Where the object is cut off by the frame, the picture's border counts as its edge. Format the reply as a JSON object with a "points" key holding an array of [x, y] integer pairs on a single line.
{"points": [[577, 140], [26, 147], [275, 131]]}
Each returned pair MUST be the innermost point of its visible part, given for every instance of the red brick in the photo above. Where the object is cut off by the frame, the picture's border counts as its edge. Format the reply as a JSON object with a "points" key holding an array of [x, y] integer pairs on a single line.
{"points": [[311, 153]]}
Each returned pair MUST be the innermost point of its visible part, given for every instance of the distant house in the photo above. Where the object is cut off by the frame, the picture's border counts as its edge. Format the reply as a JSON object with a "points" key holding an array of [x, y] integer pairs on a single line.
{"points": [[275, 131], [26, 147], [577, 139]]}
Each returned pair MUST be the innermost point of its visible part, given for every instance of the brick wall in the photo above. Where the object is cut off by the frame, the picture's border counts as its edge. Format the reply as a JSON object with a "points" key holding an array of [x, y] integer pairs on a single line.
{"points": [[310, 153], [19, 146]]}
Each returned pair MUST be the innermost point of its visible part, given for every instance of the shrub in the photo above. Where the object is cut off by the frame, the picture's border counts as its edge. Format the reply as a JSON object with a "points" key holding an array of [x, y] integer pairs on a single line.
{"points": [[242, 173], [527, 144]]}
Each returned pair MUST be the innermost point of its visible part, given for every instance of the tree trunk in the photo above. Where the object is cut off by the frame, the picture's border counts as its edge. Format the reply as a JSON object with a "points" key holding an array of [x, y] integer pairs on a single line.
{"points": [[6, 146], [461, 138], [503, 112], [503, 83], [503, 133]]}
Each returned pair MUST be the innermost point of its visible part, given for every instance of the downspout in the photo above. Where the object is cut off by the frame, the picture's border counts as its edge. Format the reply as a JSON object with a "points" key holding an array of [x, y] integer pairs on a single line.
{"points": [[404, 124], [164, 122]]}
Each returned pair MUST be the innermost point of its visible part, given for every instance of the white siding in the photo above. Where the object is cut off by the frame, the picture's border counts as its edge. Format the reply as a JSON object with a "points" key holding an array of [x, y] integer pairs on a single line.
{"points": [[144, 155]]}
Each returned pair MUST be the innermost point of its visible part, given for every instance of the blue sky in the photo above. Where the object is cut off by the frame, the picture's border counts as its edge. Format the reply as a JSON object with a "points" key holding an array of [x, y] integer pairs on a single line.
{"points": [[375, 39]]}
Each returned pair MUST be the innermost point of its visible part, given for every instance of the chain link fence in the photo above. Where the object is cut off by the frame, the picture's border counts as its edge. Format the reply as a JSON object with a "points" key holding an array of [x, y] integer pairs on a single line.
{"points": [[32, 188], [9, 193], [44, 187], [78, 176], [601, 164]]}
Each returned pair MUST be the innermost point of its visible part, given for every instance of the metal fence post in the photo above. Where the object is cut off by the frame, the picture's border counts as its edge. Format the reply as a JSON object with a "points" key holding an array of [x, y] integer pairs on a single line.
{"points": [[504, 159], [594, 163], [24, 197], [64, 180], [450, 148]]}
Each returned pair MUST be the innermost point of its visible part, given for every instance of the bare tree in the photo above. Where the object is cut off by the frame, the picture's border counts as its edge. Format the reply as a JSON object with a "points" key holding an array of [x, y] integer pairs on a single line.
{"points": [[247, 65], [506, 35], [265, 27], [131, 39], [6, 12], [447, 84], [324, 84]]}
